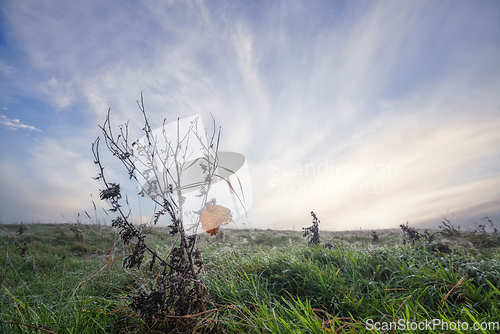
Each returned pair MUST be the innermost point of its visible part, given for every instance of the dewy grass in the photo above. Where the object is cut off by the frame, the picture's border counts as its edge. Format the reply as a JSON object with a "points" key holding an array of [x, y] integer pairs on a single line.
{"points": [[356, 284], [255, 287], [69, 293]]}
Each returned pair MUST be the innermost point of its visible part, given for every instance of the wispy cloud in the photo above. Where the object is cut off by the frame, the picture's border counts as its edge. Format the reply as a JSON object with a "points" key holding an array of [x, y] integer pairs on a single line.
{"points": [[15, 124]]}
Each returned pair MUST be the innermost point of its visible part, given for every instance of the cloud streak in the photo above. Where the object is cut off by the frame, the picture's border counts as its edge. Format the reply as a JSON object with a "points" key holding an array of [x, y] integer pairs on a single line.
{"points": [[15, 124]]}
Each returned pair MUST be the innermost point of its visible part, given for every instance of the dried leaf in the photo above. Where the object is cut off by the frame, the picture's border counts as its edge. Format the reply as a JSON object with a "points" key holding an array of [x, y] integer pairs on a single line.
{"points": [[213, 216]]}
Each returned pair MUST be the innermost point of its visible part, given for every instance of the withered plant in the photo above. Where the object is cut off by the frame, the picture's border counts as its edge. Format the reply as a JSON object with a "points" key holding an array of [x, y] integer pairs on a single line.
{"points": [[21, 229], [447, 229], [178, 290], [410, 233], [312, 232], [22, 249], [429, 236]]}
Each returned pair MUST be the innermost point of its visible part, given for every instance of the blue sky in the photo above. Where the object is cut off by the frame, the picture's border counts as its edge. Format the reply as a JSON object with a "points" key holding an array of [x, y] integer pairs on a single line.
{"points": [[368, 113]]}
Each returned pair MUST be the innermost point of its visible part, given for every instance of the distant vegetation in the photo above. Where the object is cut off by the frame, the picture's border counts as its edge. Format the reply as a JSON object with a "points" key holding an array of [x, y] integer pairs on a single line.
{"points": [[70, 279]]}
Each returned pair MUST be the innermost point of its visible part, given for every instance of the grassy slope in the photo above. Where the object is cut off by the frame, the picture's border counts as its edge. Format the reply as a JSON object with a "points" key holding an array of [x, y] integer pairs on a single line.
{"points": [[259, 281]]}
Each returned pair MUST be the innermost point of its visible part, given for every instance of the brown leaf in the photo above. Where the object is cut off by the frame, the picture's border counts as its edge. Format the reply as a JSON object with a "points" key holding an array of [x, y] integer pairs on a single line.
{"points": [[213, 216]]}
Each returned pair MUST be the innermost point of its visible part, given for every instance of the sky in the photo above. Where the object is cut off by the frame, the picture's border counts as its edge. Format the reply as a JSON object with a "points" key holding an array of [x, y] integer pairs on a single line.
{"points": [[369, 113]]}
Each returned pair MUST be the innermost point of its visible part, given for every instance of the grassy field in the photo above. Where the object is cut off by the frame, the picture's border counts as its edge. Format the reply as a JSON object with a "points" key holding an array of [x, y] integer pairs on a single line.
{"points": [[69, 279]]}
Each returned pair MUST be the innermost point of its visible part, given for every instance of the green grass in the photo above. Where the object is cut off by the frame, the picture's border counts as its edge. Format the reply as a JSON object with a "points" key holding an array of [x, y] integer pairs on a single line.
{"points": [[71, 280]]}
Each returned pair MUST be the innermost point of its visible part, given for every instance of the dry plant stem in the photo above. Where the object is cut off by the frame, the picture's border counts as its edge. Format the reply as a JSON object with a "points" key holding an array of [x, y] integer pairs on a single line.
{"points": [[400, 306], [312, 232], [26, 325], [443, 301], [114, 202], [186, 292], [182, 232]]}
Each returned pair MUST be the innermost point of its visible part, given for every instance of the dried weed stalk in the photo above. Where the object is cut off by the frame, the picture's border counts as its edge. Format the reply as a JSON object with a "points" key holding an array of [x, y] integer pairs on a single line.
{"points": [[410, 233], [179, 290], [312, 232]]}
